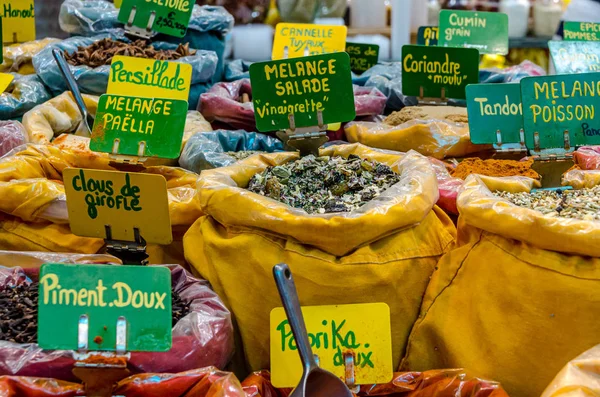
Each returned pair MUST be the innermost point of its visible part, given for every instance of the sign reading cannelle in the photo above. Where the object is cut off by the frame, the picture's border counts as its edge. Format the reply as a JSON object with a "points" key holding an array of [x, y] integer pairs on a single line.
{"points": [[294, 40]]}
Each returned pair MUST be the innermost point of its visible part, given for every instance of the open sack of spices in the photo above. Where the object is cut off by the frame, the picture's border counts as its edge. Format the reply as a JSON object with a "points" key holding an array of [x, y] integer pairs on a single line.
{"points": [[18, 57], [353, 214], [206, 382], [579, 378], [519, 286], [436, 131], [436, 383], [89, 59], [230, 104], [202, 330], [23, 93]]}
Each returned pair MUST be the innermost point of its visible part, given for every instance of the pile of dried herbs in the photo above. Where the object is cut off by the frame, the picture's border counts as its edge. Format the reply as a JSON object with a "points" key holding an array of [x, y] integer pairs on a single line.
{"points": [[241, 155], [102, 52], [325, 184]]}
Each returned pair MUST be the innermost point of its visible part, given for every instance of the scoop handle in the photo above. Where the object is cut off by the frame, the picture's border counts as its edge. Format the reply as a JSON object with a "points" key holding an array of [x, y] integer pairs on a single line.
{"points": [[291, 304], [70, 80]]}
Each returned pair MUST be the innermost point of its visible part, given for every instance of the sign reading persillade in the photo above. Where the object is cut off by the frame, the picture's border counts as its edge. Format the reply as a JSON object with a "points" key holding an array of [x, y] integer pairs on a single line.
{"points": [[553, 105], [302, 87], [122, 200], [485, 31], [575, 56], [581, 31], [363, 330], [434, 72], [18, 21], [171, 17], [294, 40], [141, 295]]}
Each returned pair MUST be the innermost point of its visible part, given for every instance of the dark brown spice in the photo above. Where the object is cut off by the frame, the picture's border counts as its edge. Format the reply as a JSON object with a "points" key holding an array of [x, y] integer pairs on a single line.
{"points": [[98, 340]]}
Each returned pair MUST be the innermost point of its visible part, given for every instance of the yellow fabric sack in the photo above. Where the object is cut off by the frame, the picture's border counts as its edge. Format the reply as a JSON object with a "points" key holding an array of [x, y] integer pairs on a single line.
{"points": [[514, 300], [17, 57], [579, 378], [435, 138], [383, 252]]}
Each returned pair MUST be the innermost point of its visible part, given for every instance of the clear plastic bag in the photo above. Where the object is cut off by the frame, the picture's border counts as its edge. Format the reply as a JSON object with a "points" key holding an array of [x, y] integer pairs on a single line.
{"points": [[24, 93], [17, 57], [579, 378], [12, 135]]}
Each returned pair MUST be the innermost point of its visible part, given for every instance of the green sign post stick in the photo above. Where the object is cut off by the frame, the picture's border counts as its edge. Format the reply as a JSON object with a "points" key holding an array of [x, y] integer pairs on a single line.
{"points": [[485, 31], [171, 17], [141, 294], [438, 72], [581, 31], [553, 105], [575, 56], [159, 123], [302, 87], [428, 36], [493, 109], [362, 56]]}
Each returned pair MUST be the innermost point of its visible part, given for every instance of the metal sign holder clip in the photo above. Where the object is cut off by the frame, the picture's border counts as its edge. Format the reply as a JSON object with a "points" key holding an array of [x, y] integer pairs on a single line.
{"points": [[432, 101], [145, 33], [305, 140], [551, 164], [130, 252], [509, 150]]}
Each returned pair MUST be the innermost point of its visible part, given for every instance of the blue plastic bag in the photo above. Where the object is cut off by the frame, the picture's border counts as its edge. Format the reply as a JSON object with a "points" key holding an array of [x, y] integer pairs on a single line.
{"points": [[237, 70], [207, 150], [95, 80], [23, 94]]}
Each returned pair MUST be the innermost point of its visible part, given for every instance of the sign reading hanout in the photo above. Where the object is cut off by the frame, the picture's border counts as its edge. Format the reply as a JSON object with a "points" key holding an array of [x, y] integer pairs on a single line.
{"points": [[555, 104], [428, 70], [575, 56], [302, 87], [363, 329], [141, 294], [581, 31], [123, 200], [428, 35], [485, 31], [18, 21], [172, 17], [293, 40], [362, 56]]}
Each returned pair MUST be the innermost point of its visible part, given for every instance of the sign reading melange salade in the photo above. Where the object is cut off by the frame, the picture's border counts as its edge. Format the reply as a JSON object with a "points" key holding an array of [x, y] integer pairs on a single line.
{"points": [[293, 40], [155, 123], [302, 87], [485, 31], [492, 108], [428, 35], [581, 31], [362, 56], [437, 68], [123, 200], [140, 294], [18, 21], [555, 104], [149, 78], [575, 56], [363, 330], [172, 17]]}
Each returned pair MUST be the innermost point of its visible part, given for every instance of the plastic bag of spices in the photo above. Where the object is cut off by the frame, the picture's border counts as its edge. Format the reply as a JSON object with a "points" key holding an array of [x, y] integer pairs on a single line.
{"points": [[517, 288], [22, 94], [579, 378], [17, 57], [12, 135], [397, 238], [202, 337]]}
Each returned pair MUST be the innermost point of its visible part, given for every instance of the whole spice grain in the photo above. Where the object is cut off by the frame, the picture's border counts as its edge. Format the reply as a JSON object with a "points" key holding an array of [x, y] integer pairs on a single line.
{"points": [[425, 113], [102, 52], [494, 168], [325, 184], [242, 154]]}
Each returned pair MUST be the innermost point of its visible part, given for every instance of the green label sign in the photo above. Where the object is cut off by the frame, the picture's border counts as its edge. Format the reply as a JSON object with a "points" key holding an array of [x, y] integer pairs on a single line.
{"points": [[581, 31], [428, 35], [362, 56], [575, 56], [156, 124], [302, 87], [485, 31], [555, 104], [493, 108], [171, 17], [141, 294], [428, 70]]}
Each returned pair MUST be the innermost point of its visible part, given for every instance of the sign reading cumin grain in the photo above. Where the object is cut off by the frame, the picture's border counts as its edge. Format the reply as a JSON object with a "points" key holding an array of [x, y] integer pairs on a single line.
{"points": [[484, 31]]}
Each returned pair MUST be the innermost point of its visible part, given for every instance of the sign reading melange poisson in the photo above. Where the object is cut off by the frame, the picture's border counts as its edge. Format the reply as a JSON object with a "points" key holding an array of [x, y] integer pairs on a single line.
{"points": [[492, 108], [434, 68], [155, 123], [293, 40], [555, 104], [172, 17], [149, 78], [18, 21], [581, 31], [302, 87], [362, 56], [363, 329], [575, 56], [428, 35], [140, 294], [123, 200], [485, 31]]}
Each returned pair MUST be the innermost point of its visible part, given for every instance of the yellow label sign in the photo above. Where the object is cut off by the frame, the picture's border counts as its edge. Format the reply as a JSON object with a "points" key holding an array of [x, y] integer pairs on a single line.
{"points": [[362, 329], [123, 200], [118, 3], [18, 21], [293, 40], [5, 80], [149, 78]]}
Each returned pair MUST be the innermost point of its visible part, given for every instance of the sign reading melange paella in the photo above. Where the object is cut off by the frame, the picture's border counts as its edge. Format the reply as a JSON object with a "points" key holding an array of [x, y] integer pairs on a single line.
{"points": [[302, 87], [555, 104]]}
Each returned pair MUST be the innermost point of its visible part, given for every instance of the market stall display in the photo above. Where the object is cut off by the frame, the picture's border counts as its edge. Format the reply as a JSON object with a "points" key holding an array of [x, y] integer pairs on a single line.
{"points": [[22, 95]]}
